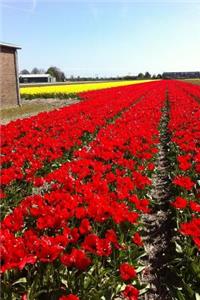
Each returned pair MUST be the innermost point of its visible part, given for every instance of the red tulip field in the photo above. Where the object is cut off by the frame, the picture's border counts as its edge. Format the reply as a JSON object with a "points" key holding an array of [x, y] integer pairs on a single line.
{"points": [[100, 200]]}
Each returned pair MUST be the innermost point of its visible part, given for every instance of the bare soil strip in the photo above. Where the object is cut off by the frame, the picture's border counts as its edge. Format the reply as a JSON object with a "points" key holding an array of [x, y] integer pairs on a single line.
{"points": [[158, 224], [193, 81], [33, 107]]}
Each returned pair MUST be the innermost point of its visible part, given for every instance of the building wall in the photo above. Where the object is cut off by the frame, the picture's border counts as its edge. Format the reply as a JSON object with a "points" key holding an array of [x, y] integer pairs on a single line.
{"points": [[35, 79], [181, 75], [8, 79], [32, 79]]}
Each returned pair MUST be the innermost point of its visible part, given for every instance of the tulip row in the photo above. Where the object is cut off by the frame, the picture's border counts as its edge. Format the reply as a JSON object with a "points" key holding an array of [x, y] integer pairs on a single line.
{"points": [[48, 139], [185, 127], [82, 237], [32, 139], [71, 90]]}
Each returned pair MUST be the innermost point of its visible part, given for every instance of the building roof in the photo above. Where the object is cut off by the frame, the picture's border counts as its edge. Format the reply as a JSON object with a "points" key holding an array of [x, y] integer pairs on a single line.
{"points": [[34, 75], [9, 45]]}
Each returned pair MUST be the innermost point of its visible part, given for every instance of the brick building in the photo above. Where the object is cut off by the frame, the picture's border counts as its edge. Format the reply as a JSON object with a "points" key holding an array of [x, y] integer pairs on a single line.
{"points": [[9, 81]]}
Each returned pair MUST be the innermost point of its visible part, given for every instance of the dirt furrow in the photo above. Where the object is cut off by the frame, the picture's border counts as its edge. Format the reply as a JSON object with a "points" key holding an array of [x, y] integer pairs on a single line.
{"points": [[158, 224]]}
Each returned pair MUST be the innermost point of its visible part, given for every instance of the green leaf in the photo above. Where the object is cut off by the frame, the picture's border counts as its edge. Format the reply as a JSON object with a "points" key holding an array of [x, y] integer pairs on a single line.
{"points": [[178, 248], [180, 295], [197, 296], [21, 280], [65, 282], [144, 290], [120, 287], [140, 269]]}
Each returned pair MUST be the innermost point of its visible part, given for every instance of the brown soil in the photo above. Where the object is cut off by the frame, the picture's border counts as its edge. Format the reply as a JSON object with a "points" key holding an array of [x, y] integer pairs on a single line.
{"points": [[33, 107], [193, 81], [158, 225]]}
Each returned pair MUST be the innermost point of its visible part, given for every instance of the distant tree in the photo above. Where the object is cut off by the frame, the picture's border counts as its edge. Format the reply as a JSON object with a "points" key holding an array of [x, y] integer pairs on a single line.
{"points": [[154, 76], [147, 75], [35, 71], [140, 76], [128, 77], [159, 76], [57, 73], [24, 72]]}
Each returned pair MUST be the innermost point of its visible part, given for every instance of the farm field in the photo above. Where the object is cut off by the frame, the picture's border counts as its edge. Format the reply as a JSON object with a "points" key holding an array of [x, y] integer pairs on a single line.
{"points": [[33, 107], [193, 81], [45, 99], [70, 90], [100, 200]]}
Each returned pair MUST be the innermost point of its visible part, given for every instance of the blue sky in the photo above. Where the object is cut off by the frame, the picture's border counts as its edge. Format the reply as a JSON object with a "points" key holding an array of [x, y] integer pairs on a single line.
{"points": [[104, 38]]}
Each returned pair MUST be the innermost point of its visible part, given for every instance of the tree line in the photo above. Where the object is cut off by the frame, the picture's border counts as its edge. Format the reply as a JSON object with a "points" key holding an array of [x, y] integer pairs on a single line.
{"points": [[60, 75], [53, 71]]}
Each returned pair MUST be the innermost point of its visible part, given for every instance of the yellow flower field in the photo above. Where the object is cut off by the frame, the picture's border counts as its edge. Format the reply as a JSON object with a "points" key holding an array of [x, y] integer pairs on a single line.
{"points": [[73, 88]]}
